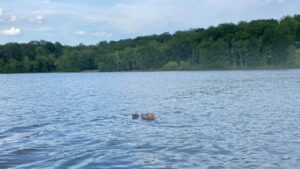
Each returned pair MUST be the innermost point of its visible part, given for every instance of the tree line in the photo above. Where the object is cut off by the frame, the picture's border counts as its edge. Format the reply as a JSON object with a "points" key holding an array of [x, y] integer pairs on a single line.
{"points": [[264, 43]]}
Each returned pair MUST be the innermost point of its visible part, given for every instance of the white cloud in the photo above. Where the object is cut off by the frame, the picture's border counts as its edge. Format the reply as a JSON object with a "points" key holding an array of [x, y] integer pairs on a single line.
{"points": [[8, 19], [97, 34], [12, 18], [37, 19], [13, 31], [1, 12], [101, 34], [79, 33]]}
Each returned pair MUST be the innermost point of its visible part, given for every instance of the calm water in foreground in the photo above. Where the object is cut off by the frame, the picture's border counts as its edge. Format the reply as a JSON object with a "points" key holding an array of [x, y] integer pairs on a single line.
{"points": [[208, 119]]}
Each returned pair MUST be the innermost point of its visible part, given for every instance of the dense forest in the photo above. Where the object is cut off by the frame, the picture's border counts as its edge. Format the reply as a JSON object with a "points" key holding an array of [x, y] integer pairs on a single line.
{"points": [[257, 44]]}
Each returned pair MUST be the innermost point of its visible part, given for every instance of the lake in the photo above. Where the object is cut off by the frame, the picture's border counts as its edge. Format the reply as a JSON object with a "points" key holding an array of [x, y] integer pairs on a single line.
{"points": [[206, 119]]}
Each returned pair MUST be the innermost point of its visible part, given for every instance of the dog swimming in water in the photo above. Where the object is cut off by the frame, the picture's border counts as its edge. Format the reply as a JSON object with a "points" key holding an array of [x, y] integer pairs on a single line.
{"points": [[147, 116], [135, 116]]}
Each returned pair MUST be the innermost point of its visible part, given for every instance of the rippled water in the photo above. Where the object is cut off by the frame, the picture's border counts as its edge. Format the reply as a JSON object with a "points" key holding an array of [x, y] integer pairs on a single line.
{"points": [[208, 119]]}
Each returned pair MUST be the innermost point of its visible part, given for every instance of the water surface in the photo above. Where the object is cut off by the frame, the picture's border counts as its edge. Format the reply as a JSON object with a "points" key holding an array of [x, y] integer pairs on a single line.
{"points": [[207, 119]]}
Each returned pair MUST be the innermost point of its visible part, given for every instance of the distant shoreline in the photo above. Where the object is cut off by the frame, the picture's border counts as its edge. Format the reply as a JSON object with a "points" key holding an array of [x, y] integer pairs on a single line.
{"points": [[258, 44], [146, 71]]}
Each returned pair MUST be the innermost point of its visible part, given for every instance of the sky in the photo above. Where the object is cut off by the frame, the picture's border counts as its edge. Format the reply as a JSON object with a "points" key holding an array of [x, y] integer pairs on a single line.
{"points": [[72, 22]]}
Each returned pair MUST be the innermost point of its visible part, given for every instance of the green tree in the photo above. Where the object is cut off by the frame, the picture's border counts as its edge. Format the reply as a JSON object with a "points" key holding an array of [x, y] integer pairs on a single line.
{"points": [[172, 65]]}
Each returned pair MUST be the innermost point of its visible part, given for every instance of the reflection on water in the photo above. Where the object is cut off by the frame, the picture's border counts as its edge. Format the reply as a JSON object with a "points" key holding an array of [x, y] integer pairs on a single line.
{"points": [[209, 119]]}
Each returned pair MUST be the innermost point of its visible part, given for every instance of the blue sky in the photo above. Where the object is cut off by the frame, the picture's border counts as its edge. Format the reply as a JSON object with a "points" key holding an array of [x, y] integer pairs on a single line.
{"points": [[91, 21]]}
